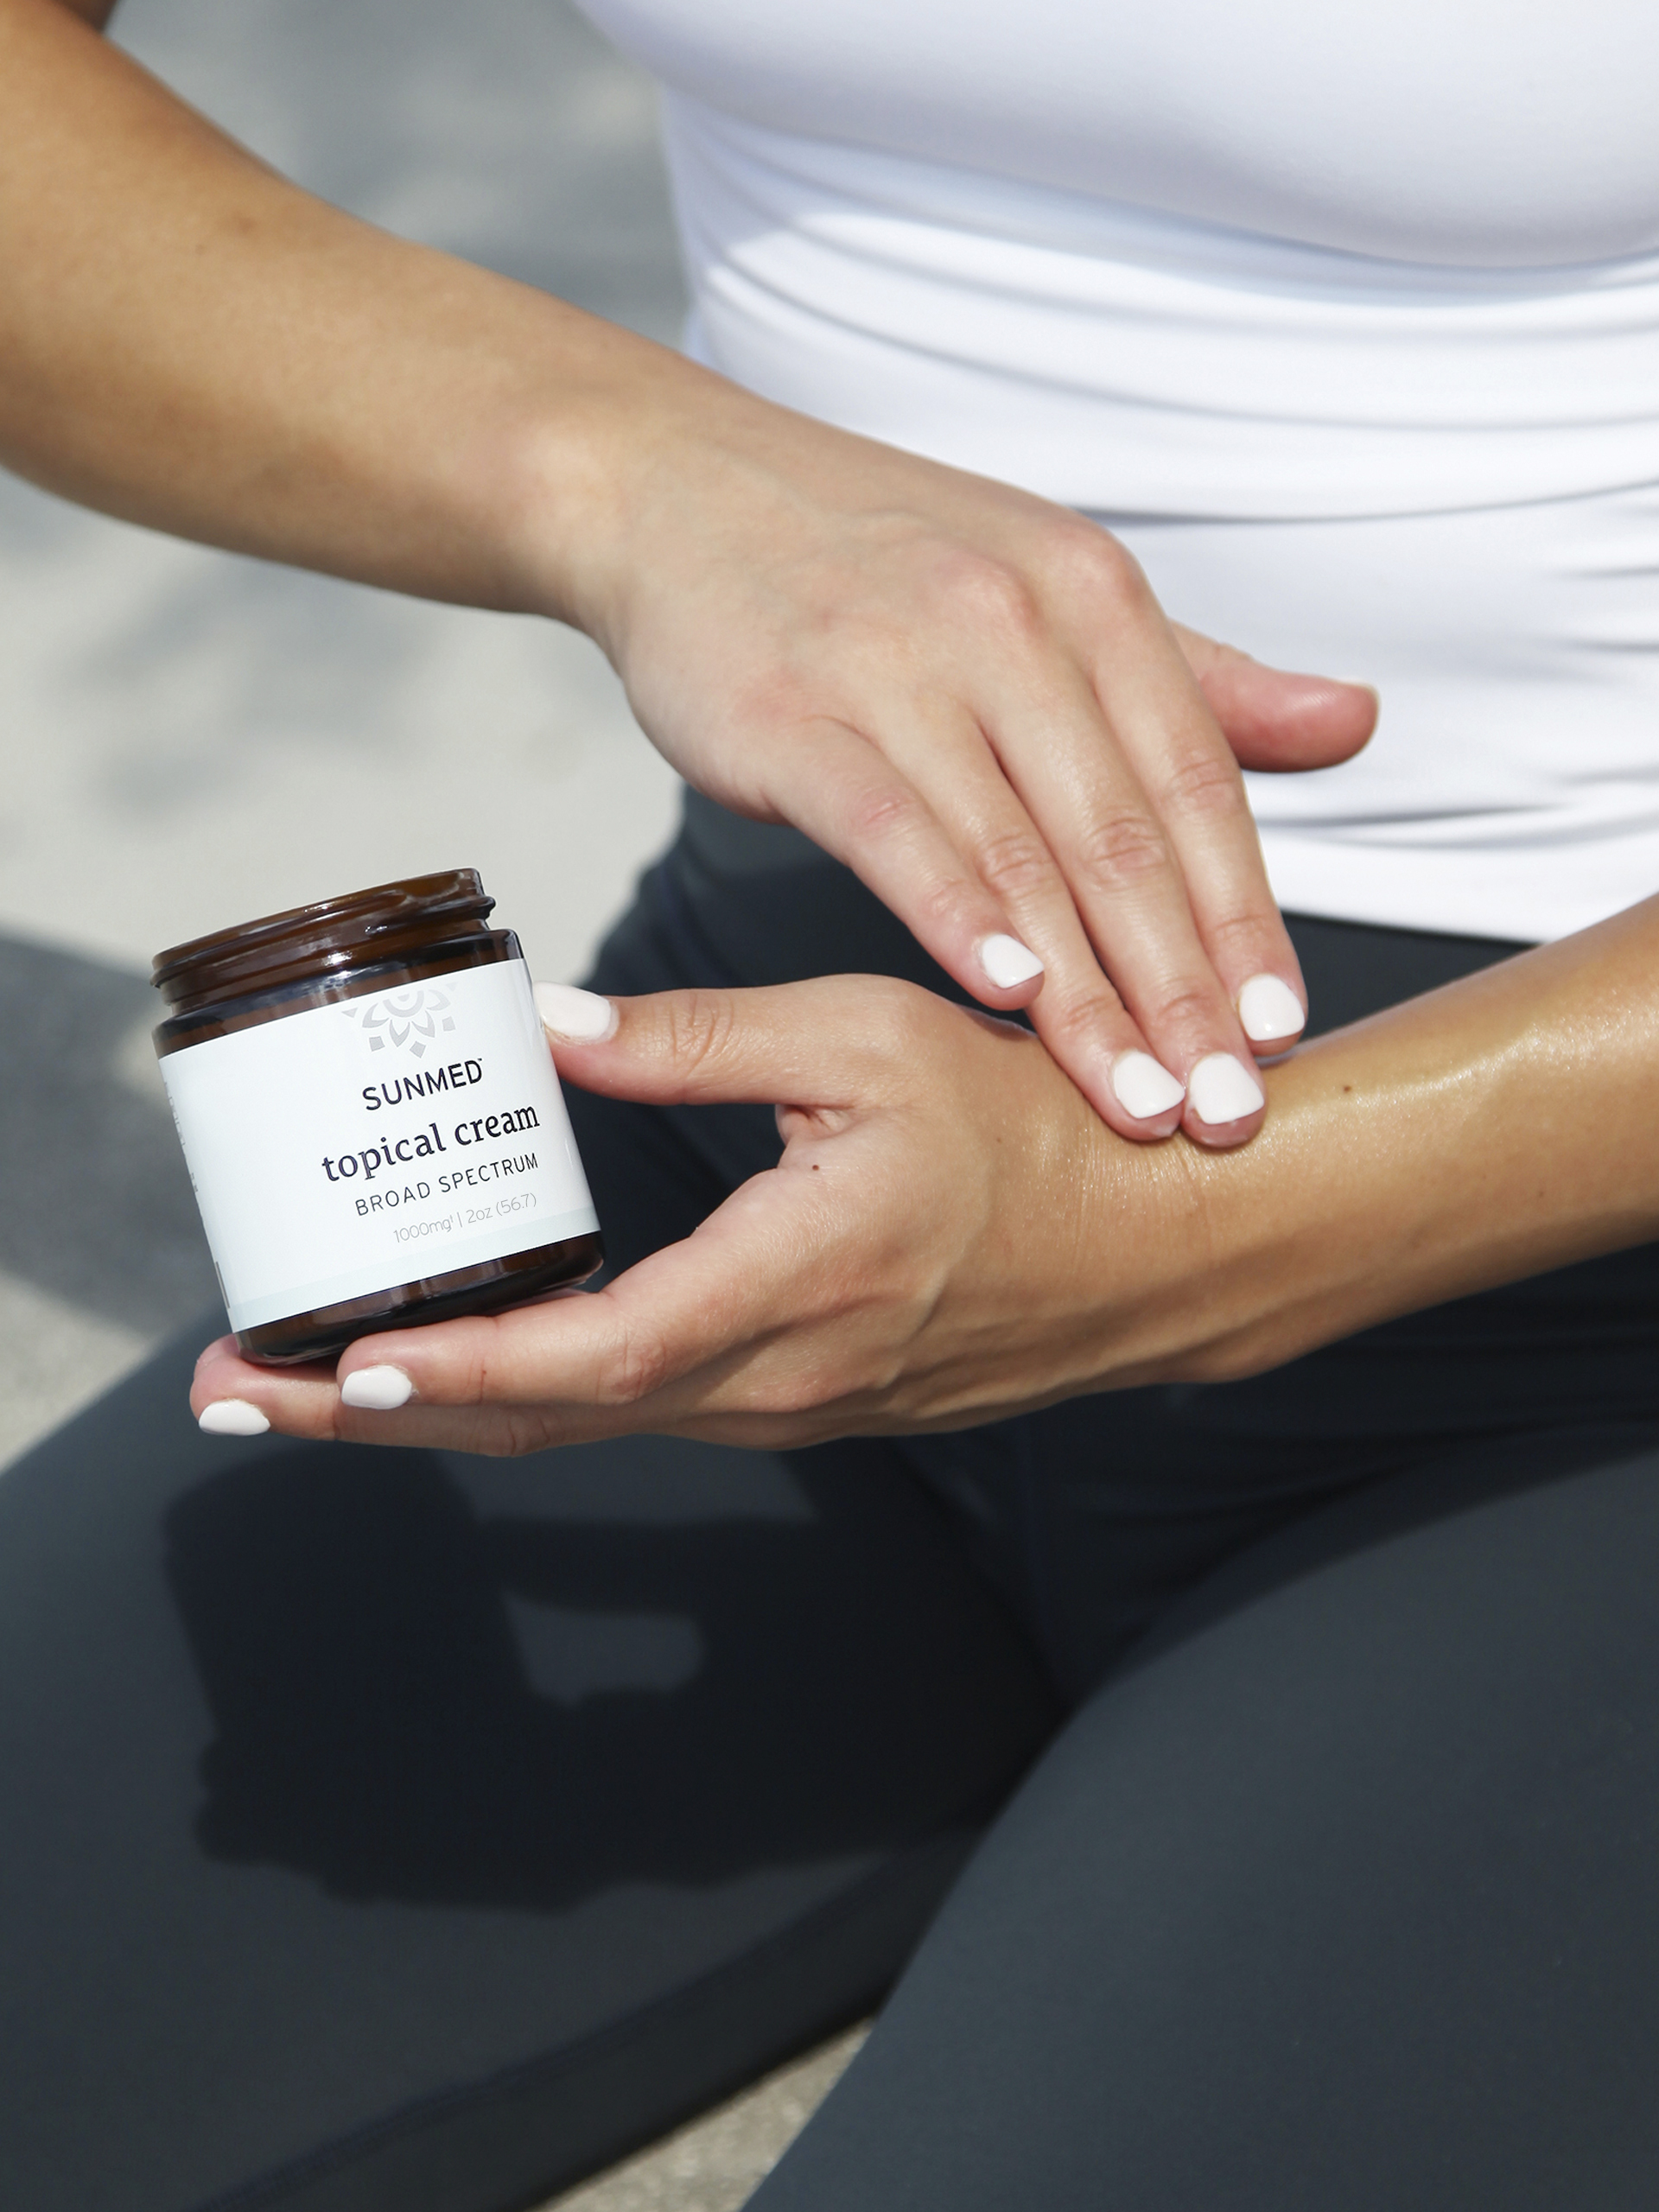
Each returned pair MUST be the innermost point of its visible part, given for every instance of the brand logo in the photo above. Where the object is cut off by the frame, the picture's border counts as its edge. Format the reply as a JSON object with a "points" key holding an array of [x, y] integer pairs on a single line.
{"points": [[407, 1020]]}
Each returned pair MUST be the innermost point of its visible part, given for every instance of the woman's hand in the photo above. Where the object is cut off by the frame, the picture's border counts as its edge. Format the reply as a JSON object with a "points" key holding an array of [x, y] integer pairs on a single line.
{"points": [[972, 698], [967, 694], [949, 1236], [952, 1233]]}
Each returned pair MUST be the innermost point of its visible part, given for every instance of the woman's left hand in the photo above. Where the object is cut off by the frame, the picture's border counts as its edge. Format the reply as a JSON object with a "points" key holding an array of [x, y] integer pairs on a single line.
{"points": [[950, 1235]]}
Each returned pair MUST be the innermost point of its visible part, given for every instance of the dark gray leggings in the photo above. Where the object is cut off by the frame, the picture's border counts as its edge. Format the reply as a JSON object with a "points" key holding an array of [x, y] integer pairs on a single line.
{"points": [[398, 1830]]}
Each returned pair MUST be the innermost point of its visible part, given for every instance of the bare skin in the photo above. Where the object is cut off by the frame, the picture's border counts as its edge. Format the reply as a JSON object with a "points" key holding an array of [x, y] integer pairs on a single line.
{"points": [[951, 1236], [968, 694]]}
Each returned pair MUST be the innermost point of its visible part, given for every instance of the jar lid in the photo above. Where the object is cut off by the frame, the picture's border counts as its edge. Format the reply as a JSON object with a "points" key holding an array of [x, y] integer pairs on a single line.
{"points": [[329, 939]]}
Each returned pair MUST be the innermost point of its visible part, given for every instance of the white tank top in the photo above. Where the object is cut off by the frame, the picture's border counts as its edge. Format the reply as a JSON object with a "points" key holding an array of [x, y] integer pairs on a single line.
{"points": [[1346, 318]]}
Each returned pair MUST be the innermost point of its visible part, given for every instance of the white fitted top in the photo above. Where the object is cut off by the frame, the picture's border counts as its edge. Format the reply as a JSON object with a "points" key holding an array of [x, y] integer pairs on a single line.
{"points": [[1347, 320]]}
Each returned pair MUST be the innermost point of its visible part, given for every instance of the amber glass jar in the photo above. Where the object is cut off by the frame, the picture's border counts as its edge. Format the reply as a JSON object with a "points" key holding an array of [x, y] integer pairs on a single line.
{"points": [[371, 1117]]}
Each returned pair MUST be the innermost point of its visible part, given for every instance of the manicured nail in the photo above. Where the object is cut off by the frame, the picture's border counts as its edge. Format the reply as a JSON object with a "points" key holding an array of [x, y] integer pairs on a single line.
{"points": [[1006, 961], [1143, 1086], [1223, 1089], [1270, 1009], [583, 1016], [378, 1389], [231, 1417]]}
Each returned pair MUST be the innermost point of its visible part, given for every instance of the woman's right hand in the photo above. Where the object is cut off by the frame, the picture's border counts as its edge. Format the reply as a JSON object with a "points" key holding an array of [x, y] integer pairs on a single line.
{"points": [[967, 694], [972, 697]]}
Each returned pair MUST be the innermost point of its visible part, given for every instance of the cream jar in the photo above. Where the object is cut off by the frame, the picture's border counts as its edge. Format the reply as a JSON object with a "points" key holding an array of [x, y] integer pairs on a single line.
{"points": [[371, 1117]]}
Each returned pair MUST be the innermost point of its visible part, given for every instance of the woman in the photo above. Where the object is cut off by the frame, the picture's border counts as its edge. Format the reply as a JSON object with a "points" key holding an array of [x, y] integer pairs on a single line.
{"points": [[1349, 1813]]}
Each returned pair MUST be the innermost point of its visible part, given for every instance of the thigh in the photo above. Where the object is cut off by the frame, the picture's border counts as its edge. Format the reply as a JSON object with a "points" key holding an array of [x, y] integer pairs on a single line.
{"points": [[393, 1827], [1339, 1896], [1092, 1517]]}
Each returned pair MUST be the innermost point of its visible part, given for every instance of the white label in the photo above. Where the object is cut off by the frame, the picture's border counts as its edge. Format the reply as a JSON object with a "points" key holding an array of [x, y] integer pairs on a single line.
{"points": [[381, 1141]]}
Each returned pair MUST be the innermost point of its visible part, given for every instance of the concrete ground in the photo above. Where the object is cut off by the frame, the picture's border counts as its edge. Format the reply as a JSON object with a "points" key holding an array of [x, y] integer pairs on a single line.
{"points": [[191, 739], [714, 2165]]}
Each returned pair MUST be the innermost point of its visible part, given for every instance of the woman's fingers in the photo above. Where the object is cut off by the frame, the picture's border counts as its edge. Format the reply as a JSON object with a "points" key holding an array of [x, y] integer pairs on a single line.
{"points": [[735, 1318], [1039, 788], [1119, 873], [691, 1329], [854, 800], [1276, 721], [554, 1372], [1196, 793], [989, 863], [726, 1333], [790, 1043], [806, 603], [1066, 798], [1090, 909]]}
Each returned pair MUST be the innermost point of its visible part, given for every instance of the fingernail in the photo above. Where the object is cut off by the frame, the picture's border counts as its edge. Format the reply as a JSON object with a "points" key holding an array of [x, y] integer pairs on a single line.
{"points": [[1006, 961], [378, 1389], [1269, 1008], [231, 1417], [1143, 1086], [1223, 1089], [583, 1016]]}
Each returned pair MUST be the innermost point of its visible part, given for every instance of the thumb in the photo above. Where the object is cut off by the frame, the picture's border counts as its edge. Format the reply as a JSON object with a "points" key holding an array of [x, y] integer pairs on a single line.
{"points": [[813, 1043], [1276, 720]]}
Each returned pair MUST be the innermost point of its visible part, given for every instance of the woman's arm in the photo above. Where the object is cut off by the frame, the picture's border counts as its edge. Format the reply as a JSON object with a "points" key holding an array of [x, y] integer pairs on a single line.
{"points": [[951, 1236], [967, 694], [1503, 1125]]}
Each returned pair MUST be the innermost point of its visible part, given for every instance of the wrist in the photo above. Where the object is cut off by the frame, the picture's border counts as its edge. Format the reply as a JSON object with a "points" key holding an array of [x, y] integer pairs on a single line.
{"points": [[1485, 1131], [592, 457]]}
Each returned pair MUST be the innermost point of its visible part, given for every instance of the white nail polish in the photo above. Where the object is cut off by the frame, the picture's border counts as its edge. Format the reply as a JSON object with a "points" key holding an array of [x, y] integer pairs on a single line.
{"points": [[378, 1389], [583, 1016], [231, 1417], [1143, 1086], [1006, 961], [1223, 1089], [1270, 1009]]}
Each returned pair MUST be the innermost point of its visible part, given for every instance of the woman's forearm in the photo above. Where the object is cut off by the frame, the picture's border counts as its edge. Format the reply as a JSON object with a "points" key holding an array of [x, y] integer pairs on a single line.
{"points": [[968, 694], [190, 341], [1506, 1124]]}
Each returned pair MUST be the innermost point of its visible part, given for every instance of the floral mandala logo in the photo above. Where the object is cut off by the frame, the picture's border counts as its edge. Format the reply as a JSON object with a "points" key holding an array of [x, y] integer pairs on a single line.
{"points": [[407, 1020]]}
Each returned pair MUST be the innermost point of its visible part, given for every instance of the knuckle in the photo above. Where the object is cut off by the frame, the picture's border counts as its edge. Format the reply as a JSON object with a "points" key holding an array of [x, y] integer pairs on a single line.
{"points": [[1185, 1006], [998, 598], [521, 1431], [792, 1395], [890, 1017], [700, 1026], [942, 901], [1205, 782], [882, 811], [633, 1368], [1106, 564], [1250, 935], [1122, 851], [1082, 1016], [1014, 863]]}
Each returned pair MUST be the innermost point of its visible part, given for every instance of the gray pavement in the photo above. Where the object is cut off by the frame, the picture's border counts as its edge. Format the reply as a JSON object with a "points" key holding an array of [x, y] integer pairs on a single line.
{"points": [[190, 739]]}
